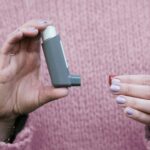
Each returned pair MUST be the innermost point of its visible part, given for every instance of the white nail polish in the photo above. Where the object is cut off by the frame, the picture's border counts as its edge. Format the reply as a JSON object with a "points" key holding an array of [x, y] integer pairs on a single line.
{"points": [[115, 88], [120, 100], [129, 111]]}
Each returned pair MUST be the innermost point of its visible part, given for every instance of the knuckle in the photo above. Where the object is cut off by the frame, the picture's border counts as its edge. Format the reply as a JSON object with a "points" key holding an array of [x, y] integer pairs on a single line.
{"points": [[127, 89]]}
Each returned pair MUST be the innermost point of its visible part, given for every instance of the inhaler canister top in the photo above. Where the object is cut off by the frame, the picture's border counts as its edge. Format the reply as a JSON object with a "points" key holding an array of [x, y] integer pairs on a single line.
{"points": [[49, 32]]}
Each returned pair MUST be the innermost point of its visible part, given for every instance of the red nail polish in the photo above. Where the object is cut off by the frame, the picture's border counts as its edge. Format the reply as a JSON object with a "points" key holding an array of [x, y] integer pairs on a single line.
{"points": [[110, 78]]}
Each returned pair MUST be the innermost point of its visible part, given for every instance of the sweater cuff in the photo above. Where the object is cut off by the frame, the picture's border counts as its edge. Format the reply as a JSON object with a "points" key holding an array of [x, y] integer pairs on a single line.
{"points": [[22, 141], [147, 137]]}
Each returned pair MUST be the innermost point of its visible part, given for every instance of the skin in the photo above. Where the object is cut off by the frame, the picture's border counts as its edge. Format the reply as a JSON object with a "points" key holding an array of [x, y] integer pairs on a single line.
{"points": [[135, 89], [20, 87]]}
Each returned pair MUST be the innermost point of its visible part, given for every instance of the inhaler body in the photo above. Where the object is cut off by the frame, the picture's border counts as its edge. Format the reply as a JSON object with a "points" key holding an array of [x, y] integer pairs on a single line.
{"points": [[56, 60]]}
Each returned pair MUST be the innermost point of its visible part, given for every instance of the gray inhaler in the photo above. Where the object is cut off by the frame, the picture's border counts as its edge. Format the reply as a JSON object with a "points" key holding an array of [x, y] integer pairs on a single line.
{"points": [[56, 60]]}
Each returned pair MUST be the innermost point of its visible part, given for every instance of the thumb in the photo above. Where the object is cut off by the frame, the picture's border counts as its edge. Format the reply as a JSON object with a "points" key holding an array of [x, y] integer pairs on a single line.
{"points": [[37, 97], [48, 93]]}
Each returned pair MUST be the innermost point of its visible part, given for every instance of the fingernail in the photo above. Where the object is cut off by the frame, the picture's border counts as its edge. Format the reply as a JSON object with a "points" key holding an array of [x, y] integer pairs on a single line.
{"points": [[31, 29], [42, 21], [120, 100], [110, 78], [115, 81], [129, 111], [115, 88]]}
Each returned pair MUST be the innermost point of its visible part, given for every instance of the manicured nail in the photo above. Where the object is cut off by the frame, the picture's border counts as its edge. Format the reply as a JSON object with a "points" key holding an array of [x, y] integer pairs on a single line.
{"points": [[31, 29], [120, 100], [110, 78], [129, 111], [115, 88]]}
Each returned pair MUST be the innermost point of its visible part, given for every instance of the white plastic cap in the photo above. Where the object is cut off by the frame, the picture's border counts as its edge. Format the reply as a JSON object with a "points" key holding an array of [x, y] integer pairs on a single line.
{"points": [[49, 32]]}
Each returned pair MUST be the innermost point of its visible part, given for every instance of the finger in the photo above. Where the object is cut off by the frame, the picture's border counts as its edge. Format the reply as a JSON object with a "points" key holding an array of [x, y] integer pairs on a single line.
{"points": [[136, 103], [134, 79], [34, 44], [7, 74], [48, 93], [139, 91], [39, 24], [16, 64], [137, 115], [29, 32], [38, 97], [30, 29], [10, 45], [4, 61]]}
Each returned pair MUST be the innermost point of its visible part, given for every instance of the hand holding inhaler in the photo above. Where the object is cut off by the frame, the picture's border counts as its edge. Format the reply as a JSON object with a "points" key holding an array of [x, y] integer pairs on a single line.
{"points": [[21, 89]]}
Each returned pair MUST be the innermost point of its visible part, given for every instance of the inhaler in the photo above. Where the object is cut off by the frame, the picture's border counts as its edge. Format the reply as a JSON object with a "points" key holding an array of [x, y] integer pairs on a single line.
{"points": [[56, 60]]}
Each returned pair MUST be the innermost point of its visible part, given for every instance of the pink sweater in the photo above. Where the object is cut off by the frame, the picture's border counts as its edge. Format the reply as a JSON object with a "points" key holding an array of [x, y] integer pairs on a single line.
{"points": [[101, 37]]}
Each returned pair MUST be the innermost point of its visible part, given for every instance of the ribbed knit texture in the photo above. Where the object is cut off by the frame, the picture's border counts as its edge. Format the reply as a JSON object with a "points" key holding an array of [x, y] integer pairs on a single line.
{"points": [[101, 37]]}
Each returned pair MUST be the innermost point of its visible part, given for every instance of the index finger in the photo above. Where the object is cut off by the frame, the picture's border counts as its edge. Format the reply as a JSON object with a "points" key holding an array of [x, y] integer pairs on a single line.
{"points": [[133, 79], [29, 29]]}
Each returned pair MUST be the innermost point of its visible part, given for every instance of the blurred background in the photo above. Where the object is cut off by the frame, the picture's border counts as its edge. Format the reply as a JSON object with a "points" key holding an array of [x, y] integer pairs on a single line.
{"points": [[100, 37]]}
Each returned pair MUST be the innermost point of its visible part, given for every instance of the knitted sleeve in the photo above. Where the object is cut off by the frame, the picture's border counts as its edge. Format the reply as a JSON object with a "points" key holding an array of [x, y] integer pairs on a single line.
{"points": [[22, 140], [147, 137]]}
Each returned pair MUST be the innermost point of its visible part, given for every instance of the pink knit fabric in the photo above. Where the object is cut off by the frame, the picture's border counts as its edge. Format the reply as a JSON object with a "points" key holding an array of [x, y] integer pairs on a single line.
{"points": [[101, 37]]}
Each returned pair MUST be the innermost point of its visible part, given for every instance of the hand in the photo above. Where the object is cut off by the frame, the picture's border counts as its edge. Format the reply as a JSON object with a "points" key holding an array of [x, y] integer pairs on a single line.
{"points": [[133, 94], [21, 90]]}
